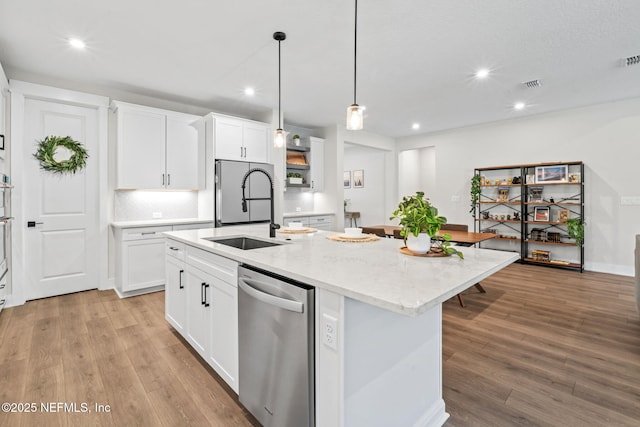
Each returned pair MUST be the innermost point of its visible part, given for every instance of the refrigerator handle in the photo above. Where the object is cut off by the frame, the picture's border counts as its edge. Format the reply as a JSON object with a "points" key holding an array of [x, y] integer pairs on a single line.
{"points": [[246, 285]]}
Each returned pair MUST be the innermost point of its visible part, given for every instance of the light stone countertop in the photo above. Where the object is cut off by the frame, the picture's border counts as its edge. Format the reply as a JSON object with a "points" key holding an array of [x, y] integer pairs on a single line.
{"points": [[158, 222], [304, 214], [375, 273]]}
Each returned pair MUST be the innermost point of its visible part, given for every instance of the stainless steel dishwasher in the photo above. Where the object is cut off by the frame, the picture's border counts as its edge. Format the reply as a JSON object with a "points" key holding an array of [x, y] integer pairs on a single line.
{"points": [[276, 348]]}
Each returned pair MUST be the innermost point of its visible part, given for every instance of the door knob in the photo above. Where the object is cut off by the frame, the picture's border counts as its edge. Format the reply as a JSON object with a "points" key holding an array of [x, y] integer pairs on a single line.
{"points": [[33, 224]]}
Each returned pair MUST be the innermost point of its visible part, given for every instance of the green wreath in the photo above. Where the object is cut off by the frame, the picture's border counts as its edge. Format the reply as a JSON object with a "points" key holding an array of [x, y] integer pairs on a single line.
{"points": [[47, 150]]}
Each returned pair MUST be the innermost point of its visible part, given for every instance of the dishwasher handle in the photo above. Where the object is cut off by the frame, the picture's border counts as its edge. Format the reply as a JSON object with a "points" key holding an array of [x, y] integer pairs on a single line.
{"points": [[247, 285]]}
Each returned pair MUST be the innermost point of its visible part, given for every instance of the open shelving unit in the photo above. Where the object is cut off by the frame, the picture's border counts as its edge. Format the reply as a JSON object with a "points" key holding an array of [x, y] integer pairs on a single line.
{"points": [[527, 207]]}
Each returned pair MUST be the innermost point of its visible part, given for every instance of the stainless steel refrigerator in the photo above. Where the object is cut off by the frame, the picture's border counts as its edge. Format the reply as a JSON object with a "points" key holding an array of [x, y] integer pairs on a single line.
{"points": [[228, 193]]}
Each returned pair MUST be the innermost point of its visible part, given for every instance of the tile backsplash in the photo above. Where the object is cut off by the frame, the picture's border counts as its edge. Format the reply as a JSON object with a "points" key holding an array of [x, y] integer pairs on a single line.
{"points": [[141, 205]]}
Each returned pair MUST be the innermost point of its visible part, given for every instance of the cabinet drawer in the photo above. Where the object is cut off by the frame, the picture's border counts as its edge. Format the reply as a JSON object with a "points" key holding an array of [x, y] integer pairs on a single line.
{"points": [[320, 220], [144, 233], [219, 267], [175, 249]]}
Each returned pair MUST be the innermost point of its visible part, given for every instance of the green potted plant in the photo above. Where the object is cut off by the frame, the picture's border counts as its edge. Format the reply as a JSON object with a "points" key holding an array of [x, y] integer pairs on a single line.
{"points": [[295, 178], [296, 139], [420, 225], [575, 228], [475, 193]]}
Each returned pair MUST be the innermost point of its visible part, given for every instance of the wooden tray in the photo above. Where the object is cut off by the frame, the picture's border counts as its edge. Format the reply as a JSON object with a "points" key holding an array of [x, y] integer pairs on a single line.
{"points": [[303, 230], [431, 253], [339, 238]]}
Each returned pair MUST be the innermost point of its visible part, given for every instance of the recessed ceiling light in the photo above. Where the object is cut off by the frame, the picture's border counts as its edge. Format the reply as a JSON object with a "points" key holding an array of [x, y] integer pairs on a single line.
{"points": [[415, 126], [519, 106], [77, 43], [249, 91], [482, 73]]}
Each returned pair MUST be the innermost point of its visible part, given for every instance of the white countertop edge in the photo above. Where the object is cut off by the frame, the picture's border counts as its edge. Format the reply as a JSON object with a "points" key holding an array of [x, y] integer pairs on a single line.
{"points": [[303, 214], [158, 222]]}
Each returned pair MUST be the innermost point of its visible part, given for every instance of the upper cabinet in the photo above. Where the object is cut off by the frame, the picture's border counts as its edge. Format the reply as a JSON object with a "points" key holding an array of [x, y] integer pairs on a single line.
{"points": [[156, 149], [238, 139]]}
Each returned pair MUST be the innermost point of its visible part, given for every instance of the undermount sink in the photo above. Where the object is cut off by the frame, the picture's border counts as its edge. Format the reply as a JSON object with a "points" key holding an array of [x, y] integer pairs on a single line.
{"points": [[243, 242]]}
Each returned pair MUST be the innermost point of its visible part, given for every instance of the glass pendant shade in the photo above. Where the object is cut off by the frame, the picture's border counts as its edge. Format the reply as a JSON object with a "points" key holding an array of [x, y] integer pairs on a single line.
{"points": [[279, 138], [355, 117]]}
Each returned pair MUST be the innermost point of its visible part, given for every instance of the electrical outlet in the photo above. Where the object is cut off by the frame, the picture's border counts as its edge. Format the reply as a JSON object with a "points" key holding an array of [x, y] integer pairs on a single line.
{"points": [[298, 209], [156, 215], [630, 200], [330, 331], [455, 198]]}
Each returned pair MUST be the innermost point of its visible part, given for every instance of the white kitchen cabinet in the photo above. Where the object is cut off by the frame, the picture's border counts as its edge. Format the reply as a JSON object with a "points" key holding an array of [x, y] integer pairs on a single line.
{"points": [[140, 261], [175, 287], [316, 163], [156, 149], [140, 257], [320, 222], [211, 307], [238, 139], [198, 310], [223, 354]]}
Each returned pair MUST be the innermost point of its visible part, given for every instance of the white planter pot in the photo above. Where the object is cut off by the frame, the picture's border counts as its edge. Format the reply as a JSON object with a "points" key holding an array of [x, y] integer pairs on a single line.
{"points": [[295, 180], [420, 244]]}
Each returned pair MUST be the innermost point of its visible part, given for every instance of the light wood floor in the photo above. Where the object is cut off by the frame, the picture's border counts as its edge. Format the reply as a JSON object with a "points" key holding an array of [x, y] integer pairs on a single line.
{"points": [[541, 347]]}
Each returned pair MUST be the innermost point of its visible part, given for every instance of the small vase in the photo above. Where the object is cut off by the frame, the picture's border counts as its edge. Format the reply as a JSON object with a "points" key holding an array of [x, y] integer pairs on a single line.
{"points": [[420, 244], [296, 141]]}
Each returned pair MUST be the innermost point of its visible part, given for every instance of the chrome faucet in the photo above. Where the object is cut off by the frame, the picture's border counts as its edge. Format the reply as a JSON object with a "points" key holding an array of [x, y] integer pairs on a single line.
{"points": [[272, 226]]}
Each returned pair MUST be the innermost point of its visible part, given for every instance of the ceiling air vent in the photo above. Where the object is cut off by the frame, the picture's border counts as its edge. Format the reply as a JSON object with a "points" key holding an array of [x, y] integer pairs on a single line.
{"points": [[532, 83], [632, 60]]}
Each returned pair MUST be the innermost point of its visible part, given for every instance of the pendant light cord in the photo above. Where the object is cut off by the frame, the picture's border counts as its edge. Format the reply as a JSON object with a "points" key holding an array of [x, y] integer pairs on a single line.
{"points": [[355, 53], [279, 87]]}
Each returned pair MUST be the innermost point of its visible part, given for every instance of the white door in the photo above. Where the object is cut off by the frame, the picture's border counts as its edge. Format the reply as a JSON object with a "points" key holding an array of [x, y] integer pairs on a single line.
{"points": [[228, 139], [61, 250]]}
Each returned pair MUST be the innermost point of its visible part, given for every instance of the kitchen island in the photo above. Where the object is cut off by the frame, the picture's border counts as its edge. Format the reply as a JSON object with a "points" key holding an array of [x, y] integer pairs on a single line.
{"points": [[382, 364]]}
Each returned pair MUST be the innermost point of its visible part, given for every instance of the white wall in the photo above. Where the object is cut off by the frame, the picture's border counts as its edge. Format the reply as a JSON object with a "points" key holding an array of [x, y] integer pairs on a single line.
{"points": [[370, 199], [605, 137], [417, 171], [141, 205]]}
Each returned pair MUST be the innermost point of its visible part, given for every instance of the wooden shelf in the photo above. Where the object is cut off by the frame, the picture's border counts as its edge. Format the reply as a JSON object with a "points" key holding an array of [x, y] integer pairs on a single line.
{"points": [[554, 183], [298, 148], [298, 185], [552, 203], [298, 167], [544, 242]]}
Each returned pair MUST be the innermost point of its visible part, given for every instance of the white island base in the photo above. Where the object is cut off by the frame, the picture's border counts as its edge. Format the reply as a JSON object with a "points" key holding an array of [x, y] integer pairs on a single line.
{"points": [[385, 370]]}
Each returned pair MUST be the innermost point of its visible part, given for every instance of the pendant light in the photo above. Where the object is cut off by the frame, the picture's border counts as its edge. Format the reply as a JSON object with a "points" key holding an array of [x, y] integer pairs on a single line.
{"points": [[279, 136], [355, 113]]}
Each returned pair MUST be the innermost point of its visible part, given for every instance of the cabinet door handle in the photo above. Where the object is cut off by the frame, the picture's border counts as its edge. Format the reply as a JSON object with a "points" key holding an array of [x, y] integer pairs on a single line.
{"points": [[202, 293], [206, 286], [144, 233], [241, 152], [168, 179], [312, 184], [180, 285], [173, 248]]}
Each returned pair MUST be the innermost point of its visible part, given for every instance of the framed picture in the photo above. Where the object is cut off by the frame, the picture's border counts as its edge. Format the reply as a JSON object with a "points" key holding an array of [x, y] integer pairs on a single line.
{"points": [[563, 215], [535, 194], [347, 179], [541, 213], [552, 174], [358, 179]]}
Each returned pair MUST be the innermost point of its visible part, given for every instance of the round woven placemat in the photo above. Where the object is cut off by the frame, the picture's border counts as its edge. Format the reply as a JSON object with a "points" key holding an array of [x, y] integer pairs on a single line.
{"points": [[431, 253], [338, 238], [298, 230]]}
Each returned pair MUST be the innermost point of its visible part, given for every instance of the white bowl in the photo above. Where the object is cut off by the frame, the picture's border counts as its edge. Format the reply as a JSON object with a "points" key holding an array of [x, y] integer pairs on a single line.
{"points": [[353, 231], [295, 225]]}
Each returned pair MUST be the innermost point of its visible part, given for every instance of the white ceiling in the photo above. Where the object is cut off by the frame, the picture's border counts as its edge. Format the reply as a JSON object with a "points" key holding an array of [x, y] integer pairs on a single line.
{"points": [[416, 58]]}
